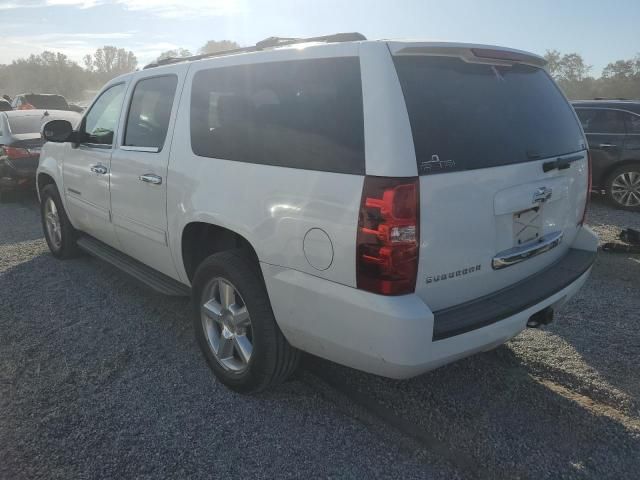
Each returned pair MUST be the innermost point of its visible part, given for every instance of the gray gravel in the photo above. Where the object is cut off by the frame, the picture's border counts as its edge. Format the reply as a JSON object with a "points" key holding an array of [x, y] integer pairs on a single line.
{"points": [[101, 378]]}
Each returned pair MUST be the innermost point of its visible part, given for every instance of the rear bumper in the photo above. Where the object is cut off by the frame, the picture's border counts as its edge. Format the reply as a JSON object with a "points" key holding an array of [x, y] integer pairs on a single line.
{"points": [[394, 336], [17, 173]]}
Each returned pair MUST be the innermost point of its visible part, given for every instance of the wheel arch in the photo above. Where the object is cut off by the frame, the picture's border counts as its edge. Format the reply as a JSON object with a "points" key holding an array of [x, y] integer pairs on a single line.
{"points": [[617, 165], [201, 239]]}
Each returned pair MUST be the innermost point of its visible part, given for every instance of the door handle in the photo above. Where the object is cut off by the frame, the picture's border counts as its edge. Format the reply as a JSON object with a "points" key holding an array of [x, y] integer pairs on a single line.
{"points": [[150, 178], [607, 145], [99, 169]]}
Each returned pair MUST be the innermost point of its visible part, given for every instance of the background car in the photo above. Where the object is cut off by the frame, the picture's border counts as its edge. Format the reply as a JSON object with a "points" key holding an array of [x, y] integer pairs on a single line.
{"points": [[4, 105], [613, 131], [30, 101], [20, 143]]}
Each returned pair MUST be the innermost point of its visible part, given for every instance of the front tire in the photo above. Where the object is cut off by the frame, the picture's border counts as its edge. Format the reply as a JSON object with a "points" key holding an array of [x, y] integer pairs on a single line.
{"points": [[623, 187], [58, 231], [235, 326]]}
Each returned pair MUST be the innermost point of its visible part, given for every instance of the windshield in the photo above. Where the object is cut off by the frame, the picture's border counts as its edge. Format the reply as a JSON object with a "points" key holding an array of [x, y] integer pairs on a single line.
{"points": [[53, 102], [477, 115], [23, 125]]}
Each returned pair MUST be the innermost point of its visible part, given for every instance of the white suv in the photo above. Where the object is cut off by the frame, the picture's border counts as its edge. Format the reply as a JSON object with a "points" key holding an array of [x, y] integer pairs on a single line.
{"points": [[390, 206]]}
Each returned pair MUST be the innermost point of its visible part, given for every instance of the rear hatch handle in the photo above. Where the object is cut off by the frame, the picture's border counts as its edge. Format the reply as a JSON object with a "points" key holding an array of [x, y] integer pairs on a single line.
{"points": [[561, 163]]}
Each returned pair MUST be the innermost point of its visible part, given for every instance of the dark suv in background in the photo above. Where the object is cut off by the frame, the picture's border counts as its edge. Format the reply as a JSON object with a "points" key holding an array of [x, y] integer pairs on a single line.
{"points": [[43, 101], [613, 132]]}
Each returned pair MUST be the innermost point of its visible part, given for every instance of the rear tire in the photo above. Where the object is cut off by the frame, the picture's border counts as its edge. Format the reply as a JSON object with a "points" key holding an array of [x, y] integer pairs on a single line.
{"points": [[623, 187], [235, 326], [58, 231]]}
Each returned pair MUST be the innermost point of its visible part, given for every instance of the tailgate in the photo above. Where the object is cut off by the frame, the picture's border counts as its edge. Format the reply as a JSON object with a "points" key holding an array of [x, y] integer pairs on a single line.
{"points": [[503, 170]]}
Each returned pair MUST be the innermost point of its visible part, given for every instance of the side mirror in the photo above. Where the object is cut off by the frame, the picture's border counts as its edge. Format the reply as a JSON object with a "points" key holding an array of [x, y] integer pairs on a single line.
{"points": [[59, 131]]}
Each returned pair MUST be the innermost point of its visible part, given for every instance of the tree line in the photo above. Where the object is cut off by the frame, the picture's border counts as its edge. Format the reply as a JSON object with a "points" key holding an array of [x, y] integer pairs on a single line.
{"points": [[619, 79], [54, 72]]}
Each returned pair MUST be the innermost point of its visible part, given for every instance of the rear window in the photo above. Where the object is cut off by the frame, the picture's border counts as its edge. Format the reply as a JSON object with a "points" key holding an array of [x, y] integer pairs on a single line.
{"points": [[466, 116], [23, 125], [52, 102], [300, 114]]}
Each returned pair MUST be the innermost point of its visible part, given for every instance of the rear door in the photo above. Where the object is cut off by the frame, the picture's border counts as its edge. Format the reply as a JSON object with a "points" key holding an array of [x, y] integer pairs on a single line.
{"points": [[605, 130], [139, 170], [502, 164]]}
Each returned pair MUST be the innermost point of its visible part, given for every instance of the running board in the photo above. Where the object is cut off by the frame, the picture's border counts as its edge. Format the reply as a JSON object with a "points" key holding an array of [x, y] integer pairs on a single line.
{"points": [[147, 275]]}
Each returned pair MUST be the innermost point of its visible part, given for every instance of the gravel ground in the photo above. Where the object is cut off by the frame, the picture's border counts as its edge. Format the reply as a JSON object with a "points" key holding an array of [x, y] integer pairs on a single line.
{"points": [[100, 377]]}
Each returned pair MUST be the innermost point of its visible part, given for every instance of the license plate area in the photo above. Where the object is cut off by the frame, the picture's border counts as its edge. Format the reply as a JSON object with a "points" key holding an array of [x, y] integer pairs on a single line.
{"points": [[527, 226]]}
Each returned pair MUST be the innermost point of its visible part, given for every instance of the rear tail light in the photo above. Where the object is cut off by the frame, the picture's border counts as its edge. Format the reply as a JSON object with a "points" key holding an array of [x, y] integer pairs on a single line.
{"points": [[388, 236], [589, 186], [15, 153]]}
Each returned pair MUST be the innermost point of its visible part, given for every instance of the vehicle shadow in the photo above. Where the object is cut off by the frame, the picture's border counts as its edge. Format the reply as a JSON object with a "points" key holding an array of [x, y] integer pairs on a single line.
{"points": [[491, 409], [20, 218]]}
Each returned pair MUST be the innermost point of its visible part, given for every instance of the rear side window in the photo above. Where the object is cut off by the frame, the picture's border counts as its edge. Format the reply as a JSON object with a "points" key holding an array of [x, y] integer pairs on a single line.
{"points": [[601, 120], [150, 112], [633, 123], [301, 114], [51, 102], [466, 116], [24, 125]]}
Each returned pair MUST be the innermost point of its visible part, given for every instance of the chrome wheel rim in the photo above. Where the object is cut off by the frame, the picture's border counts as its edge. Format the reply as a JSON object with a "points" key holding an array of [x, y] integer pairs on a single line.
{"points": [[52, 223], [227, 325], [625, 189]]}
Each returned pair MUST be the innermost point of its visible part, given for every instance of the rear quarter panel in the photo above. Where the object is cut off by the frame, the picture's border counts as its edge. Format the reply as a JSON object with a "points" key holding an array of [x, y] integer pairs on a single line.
{"points": [[272, 207]]}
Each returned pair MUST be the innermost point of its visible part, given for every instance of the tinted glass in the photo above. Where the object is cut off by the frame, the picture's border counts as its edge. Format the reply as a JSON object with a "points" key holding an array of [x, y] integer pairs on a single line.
{"points": [[23, 125], [53, 102], [100, 123], [601, 120], [150, 111], [301, 114], [4, 105], [633, 123], [466, 116]]}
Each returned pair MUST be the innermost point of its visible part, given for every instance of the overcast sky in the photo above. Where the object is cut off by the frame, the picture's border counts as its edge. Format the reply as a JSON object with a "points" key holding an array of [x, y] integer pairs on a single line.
{"points": [[600, 31]]}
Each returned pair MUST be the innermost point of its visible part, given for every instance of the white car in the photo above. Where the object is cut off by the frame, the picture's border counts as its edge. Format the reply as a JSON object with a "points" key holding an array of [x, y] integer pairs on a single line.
{"points": [[390, 206]]}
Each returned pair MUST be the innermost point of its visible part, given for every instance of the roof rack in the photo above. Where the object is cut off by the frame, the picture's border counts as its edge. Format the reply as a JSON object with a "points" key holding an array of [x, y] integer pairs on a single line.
{"points": [[615, 98], [271, 42]]}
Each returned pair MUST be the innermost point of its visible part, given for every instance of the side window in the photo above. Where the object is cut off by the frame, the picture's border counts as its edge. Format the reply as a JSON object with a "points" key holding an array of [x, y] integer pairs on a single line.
{"points": [[602, 121], [633, 123], [100, 122], [300, 114], [150, 111]]}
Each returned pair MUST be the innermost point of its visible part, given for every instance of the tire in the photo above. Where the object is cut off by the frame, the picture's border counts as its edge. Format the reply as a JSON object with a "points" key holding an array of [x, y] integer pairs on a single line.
{"points": [[65, 246], [624, 179], [219, 322]]}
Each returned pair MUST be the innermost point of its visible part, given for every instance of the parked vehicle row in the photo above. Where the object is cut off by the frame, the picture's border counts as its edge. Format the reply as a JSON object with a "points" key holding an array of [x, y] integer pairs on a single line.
{"points": [[613, 131], [20, 143], [391, 206]]}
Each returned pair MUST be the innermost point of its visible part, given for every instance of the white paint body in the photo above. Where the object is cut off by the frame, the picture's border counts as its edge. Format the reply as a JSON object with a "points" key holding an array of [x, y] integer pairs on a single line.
{"points": [[303, 224]]}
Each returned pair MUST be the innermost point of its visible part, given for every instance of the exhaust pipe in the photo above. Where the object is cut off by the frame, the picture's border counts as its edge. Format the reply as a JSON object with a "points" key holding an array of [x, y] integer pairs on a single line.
{"points": [[543, 317]]}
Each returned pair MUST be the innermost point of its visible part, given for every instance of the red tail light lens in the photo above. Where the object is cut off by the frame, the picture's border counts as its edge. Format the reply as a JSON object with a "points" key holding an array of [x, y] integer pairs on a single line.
{"points": [[388, 236], [589, 187], [15, 153]]}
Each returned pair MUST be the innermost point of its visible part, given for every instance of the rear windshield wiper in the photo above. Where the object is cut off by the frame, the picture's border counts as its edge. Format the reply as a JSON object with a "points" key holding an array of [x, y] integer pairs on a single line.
{"points": [[561, 163]]}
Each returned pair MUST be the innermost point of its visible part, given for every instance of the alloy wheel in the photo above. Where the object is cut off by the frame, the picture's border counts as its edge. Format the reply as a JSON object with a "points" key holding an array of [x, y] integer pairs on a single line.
{"points": [[227, 325], [625, 189], [52, 223]]}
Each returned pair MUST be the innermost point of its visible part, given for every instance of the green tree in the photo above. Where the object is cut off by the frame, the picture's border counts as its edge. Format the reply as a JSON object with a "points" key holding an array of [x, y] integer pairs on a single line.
{"points": [[109, 62], [214, 46], [177, 53]]}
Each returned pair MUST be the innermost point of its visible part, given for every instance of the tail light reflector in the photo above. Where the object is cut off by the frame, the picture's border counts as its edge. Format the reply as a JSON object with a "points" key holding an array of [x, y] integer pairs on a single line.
{"points": [[14, 153], [589, 187], [388, 236]]}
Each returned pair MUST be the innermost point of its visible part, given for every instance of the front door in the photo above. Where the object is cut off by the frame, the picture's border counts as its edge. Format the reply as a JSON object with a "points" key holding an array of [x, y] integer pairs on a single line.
{"points": [[86, 169], [139, 172]]}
